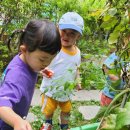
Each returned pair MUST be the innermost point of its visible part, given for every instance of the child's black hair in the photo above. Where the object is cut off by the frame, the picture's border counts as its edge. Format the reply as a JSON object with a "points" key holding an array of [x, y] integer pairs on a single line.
{"points": [[39, 34]]}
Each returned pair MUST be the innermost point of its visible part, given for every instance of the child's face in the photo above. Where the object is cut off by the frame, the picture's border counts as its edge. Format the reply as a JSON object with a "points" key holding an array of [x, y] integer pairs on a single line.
{"points": [[37, 60], [69, 37]]}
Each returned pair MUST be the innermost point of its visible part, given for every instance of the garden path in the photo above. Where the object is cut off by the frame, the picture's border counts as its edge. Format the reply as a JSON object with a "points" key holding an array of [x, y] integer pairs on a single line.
{"points": [[83, 95]]}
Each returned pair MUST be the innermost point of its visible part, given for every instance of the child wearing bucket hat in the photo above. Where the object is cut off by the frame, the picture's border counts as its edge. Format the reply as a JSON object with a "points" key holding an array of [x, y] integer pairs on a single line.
{"points": [[57, 89], [116, 71]]}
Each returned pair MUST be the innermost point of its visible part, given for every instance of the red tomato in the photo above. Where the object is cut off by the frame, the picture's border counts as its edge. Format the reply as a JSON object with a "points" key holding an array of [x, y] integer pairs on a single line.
{"points": [[48, 73]]}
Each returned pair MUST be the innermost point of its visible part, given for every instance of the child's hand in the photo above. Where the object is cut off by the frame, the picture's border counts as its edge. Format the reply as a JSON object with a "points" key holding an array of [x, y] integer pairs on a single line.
{"points": [[47, 73], [22, 125], [113, 77], [78, 87]]}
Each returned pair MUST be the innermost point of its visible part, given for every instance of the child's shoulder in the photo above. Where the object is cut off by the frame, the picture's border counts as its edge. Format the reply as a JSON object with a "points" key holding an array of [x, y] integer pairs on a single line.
{"points": [[73, 51]]}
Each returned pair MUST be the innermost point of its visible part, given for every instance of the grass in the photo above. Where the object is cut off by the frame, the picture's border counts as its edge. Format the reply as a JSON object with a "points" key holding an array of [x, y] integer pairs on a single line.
{"points": [[76, 118]]}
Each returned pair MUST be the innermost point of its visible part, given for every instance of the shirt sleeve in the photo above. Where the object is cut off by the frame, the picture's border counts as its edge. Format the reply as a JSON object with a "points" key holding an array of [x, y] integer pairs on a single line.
{"points": [[10, 91]]}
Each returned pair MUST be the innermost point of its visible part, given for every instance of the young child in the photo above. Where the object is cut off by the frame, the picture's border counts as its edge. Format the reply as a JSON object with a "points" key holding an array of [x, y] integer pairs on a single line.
{"points": [[65, 70], [116, 78], [39, 43], [112, 69]]}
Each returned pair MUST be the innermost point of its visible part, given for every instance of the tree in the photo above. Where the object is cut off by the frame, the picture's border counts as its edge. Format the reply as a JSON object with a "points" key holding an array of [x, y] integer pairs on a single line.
{"points": [[115, 21]]}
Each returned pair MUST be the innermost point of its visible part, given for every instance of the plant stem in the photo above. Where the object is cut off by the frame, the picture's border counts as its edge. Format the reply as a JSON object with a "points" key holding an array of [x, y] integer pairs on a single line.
{"points": [[111, 104], [124, 100]]}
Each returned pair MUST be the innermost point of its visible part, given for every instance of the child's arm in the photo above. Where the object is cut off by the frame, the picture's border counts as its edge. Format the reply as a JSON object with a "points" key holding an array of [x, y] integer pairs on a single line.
{"points": [[112, 77], [14, 120]]}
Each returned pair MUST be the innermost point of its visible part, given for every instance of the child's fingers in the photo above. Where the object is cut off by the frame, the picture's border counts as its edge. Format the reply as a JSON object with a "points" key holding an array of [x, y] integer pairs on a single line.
{"points": [[113, 77], [29, 127], [47, 73], [79, 87]]}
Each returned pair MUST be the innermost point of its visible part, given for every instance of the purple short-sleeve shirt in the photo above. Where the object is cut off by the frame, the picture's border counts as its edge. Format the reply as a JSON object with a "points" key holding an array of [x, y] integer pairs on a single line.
{"points": [[17, 89]]}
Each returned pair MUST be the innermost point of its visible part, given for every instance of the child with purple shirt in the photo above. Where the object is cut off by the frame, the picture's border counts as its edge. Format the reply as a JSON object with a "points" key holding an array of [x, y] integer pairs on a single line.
{"points": [[39, 42]]}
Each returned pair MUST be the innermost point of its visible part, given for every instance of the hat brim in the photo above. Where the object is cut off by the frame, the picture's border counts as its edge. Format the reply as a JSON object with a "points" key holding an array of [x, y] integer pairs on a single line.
{"points": [[70, 26]]}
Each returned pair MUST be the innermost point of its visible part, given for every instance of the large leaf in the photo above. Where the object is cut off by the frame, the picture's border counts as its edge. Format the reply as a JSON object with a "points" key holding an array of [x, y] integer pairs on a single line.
{"points": [[113, 37], [127, 105], [112, 11], [106, 18], [122, 120], [109, 122], [119, 110], [109, 24]]}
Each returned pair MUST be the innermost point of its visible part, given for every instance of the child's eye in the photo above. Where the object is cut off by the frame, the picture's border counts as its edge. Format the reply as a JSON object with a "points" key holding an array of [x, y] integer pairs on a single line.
{"points": [[41, 60], [63, 31], [72, 34]]}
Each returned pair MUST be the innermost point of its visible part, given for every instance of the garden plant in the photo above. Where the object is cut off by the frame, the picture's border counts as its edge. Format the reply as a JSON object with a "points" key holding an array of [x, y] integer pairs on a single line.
{"points": [[107, 24]]}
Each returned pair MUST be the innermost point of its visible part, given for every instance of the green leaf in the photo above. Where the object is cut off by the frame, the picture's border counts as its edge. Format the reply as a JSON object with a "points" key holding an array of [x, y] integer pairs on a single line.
{"points": [[113, 37], [127, 105], [112, 11], [109, 24], [115, 84], [106, 17], [123, 119], [88, 56], [119, 110], [109, 122]]}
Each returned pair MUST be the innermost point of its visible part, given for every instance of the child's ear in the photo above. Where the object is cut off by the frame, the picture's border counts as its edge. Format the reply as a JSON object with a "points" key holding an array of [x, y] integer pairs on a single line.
{"points": [[23, 49], [79, 36], [57, 26]]}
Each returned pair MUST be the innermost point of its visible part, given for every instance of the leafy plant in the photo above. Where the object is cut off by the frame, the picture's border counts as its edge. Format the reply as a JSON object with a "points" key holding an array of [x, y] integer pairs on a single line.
{"points": [[76, 118], [39, 117], [115, 20], [119, 118], [95, 46], [4, 56], [91, 75]]}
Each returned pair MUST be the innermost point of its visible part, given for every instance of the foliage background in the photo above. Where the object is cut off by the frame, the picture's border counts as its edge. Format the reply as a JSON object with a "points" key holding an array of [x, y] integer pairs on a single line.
{"points": [[107, 24], [16, 13]]}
